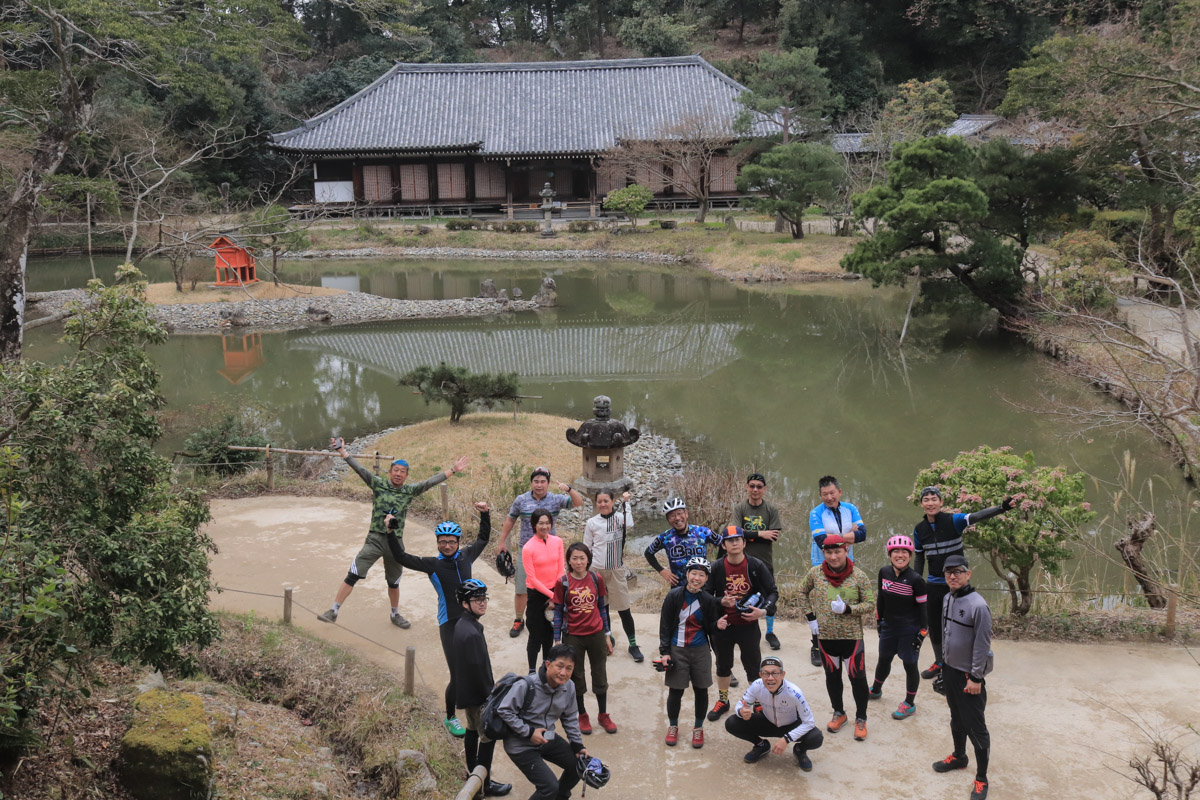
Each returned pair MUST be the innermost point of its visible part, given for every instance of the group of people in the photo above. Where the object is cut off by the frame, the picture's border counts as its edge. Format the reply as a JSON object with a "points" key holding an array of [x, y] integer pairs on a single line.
{"points": [[564, 595]]}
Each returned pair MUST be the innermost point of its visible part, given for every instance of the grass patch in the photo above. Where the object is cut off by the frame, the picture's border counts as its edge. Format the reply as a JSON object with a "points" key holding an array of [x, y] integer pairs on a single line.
{"points": [[165, 294], [354, 704]]}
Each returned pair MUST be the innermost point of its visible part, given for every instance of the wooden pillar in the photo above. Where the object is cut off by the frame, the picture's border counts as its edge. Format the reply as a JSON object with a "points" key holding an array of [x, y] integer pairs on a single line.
{"points": [[508, 198], [287, 605], [396, 182], [470, 170], [270, 469], [592, 191], [410, 670]]}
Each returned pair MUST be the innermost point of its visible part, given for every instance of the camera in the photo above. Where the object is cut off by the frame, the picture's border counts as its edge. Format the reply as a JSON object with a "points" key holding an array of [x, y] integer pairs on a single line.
{"points": [[393, 523]]}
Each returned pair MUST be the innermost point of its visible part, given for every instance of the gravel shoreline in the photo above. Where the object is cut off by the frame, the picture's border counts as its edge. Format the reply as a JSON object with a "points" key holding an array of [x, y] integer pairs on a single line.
{"points": [[293, 312], [480, 254]]}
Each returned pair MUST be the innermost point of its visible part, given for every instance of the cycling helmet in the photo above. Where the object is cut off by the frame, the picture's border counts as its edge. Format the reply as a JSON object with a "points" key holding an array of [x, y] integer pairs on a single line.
{"points": [[673, 504], [447, 529], [699, 562], [505, 566], [900, 543], [592, 771], [471, 587]]}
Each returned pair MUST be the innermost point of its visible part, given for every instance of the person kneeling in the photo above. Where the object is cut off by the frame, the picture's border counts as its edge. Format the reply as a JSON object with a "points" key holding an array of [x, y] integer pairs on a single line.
{"points": [[530, 709], [783, 713]]}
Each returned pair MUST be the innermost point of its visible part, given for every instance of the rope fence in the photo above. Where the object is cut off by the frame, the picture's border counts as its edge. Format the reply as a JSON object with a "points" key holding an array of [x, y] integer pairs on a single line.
{"points": [[409, 655]]}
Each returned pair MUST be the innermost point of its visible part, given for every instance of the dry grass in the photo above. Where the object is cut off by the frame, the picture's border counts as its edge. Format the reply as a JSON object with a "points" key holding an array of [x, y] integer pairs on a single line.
{"points": [[502, 452], [356, 706], [740, 255], [165, 294]]}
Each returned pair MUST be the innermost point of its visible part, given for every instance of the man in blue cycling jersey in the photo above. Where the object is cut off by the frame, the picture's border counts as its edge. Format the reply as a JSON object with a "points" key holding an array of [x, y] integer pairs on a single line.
{"points": [[682, 542], [832, 516]]}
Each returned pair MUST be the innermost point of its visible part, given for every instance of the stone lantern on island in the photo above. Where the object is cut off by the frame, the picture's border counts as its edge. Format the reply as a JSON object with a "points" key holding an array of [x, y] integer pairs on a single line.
{"points": [[603, 440]]}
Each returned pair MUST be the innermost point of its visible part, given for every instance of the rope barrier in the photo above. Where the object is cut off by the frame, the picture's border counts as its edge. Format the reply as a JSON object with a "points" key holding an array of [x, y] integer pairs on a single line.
{"points": [[341, 627]]}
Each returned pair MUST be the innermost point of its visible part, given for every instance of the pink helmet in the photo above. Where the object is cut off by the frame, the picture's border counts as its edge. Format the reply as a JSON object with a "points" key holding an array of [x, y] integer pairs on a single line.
{"points": [[900, 543]]}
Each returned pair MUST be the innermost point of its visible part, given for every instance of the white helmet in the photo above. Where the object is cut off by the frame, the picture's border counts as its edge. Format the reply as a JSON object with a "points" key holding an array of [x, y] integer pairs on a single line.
{"points": [[698, 562], [673, 504]]}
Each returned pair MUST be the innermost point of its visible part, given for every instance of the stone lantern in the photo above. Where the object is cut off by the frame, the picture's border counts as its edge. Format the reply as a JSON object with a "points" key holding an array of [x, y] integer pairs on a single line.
{"points": [[603, 440], [547, 195]]}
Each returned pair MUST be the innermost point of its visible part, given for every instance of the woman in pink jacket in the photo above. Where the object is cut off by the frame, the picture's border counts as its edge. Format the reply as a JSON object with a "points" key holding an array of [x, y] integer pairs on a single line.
{"points": [[542, 557]]}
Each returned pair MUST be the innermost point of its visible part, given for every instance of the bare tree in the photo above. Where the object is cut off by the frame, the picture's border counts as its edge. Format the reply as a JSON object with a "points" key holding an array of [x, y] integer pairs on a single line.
{"points": [[689, 155], [1146, 354]]}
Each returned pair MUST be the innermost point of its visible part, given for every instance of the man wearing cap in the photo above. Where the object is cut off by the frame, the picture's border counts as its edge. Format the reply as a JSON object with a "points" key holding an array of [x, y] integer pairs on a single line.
{"points": [[966, 647], [746, 589], [937, 537], [538, 496], [834, 597], [390, 499], [832, 516], [774, 708], [762, 525]]}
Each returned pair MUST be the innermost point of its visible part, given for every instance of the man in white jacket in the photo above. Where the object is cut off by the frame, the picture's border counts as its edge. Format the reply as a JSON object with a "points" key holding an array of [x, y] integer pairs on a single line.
{"points": [[783, 715]]}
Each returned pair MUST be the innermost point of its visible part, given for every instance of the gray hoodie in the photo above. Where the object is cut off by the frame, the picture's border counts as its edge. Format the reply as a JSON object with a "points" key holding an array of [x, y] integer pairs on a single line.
{"points": [[545, 706], [967, 632]]}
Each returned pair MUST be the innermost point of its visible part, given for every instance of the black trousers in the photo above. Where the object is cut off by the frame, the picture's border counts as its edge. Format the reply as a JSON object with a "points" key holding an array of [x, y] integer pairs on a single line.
{"points": [[747, 638], [967, 719], [541, 631], [532, 763], [446, 632], [849, 653], [936, 592], [759, 727]]}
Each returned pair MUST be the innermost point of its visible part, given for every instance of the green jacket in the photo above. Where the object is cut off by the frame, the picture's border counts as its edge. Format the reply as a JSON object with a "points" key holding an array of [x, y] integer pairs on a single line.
{"points": [[388, 499], [816, 593]]}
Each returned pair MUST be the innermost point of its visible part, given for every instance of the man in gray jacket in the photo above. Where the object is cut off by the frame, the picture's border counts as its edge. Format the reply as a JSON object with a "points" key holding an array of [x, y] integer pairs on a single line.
{"points": [[530, 710], [967, 659]]}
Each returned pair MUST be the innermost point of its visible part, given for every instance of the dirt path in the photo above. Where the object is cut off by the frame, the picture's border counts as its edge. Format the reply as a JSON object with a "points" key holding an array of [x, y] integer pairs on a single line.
{"points": [[1062, 716]]}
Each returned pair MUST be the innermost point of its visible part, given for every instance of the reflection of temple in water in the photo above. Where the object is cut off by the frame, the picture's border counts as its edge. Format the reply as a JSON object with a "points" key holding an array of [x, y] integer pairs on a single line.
{"points": [[241, 357], [586, 349]]}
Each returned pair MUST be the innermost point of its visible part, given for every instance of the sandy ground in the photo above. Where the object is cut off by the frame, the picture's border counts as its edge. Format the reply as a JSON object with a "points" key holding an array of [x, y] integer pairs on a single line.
{"points": [[1064, 718]]}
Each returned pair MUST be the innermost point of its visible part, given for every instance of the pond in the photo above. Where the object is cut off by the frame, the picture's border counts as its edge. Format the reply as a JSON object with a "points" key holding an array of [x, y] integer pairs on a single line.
{"points": [[798, 383]]}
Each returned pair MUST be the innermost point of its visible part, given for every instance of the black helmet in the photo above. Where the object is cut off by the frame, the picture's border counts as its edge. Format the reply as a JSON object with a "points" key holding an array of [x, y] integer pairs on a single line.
{"points": [[505, 566], [592, 771], [471, 587]]}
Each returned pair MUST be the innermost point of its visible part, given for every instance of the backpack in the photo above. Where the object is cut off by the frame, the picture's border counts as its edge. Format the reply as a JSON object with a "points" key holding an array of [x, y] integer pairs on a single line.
{"points": [[493, 725]]}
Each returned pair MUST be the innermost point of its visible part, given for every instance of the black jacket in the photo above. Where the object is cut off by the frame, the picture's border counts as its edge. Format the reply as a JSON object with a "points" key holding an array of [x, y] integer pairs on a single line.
{"points": [[668, 619], [472, 664], [446, 574], [761, 581]]}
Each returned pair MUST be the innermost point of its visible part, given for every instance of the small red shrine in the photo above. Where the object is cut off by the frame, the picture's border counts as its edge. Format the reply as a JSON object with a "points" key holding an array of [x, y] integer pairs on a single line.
{"points": [[235, 263]]}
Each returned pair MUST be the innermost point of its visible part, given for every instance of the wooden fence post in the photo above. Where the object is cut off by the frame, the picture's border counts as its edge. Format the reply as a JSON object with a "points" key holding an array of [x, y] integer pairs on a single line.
{"points": [[376, 467], [410, 669], [270, 469], [474, 785], [287, 605], [445, 501], [1172, 605]]}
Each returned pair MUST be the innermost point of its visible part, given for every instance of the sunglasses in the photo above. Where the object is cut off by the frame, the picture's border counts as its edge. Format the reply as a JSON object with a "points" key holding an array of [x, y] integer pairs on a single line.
{"points": [[756, 486], [955, 572]]}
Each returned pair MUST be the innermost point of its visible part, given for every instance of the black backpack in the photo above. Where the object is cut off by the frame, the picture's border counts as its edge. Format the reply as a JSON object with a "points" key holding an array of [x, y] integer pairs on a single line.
{"points": [[494, 726]]}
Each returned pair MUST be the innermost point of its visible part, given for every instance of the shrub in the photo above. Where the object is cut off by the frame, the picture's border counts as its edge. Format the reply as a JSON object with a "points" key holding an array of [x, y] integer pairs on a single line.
{"points": [[208, 446], [465, 224], [631, 201], [581, 226], [515, 226], [1083, 275]]}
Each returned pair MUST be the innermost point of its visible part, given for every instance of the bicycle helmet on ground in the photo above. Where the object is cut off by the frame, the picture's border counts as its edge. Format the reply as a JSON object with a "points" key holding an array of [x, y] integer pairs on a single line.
{"points": [[505, 566], [447, 529], [673, 504], [900, 542], [699, 562], [470, 588], [592, 771]]}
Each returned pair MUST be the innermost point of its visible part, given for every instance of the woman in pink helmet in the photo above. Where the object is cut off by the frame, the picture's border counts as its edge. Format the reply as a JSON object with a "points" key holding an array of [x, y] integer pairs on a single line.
{"points": [[900, 611]]}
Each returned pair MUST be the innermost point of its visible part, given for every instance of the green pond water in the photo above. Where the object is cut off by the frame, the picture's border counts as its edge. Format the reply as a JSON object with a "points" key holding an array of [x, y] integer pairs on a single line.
{"points": [[798, 383]]}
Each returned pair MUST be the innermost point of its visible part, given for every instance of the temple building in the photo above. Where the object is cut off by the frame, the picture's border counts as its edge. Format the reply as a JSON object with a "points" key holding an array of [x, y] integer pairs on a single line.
{"points": [[462, 138]]}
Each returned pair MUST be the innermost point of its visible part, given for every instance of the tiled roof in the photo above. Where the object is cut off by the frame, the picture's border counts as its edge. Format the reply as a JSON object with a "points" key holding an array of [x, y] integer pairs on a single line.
{"points": [[553, 107], [965, 125]]}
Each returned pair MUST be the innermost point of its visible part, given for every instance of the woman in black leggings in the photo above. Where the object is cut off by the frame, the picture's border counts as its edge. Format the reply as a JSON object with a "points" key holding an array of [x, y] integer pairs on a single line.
{"points": [[901, 613], [541, 630]]}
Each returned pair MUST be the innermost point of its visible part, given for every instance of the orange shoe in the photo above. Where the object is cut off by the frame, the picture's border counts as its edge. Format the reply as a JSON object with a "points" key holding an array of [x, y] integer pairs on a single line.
{"points": [[860, 730], [606, 722], [697, 738], [836, 723], [672, 735]]}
